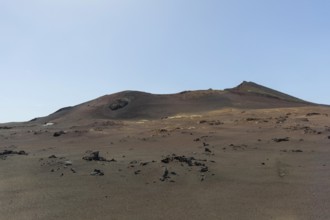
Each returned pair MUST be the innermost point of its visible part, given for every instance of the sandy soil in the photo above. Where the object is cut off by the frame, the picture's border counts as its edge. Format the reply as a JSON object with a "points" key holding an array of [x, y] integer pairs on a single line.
{"points": [[228, 164]]}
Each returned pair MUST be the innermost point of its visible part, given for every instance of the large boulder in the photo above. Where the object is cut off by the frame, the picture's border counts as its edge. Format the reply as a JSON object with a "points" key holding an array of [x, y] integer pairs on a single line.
{"points": [[119, 103]]}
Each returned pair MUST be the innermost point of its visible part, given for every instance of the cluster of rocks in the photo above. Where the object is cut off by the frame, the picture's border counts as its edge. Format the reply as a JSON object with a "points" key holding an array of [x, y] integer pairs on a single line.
{"points": [[211, 122], [5, 127], [118, 104], [190, 161], [256, 120], [58, 163], [68, 164], [305, 129], [308, 130], [313, 114], [133, 163], [97, 172], [282, 119], [5, 153], [94, 156]]}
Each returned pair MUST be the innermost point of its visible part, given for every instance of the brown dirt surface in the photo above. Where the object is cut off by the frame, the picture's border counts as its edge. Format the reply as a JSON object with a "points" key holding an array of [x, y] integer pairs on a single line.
{"points": [[171, 159]]}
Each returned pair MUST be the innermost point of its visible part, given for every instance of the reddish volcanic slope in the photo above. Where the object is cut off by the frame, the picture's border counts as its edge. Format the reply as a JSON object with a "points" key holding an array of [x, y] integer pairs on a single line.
{"points": [[141, 105]]}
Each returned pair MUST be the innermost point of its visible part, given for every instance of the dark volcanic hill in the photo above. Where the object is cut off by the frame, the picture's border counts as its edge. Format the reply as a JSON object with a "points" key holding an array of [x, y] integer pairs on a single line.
{"points": [[140, 105]]}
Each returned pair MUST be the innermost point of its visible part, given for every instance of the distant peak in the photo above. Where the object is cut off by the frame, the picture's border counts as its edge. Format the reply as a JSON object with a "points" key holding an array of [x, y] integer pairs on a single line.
{"points": [[246, 83], [254, 88]]}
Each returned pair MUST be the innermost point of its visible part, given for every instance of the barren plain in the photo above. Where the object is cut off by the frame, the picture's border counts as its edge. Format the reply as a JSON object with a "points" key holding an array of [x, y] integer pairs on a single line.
{"points": [[244, 153]]}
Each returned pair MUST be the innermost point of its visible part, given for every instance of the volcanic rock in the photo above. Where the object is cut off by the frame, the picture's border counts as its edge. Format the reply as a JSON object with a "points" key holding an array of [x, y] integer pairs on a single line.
{"points": [[94, 156], [118, 104], [59, 133], [281, 139], [97, 172]]}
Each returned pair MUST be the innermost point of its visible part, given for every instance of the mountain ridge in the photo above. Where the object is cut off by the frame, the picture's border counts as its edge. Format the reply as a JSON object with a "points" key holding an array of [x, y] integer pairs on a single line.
{"points": [[252, 87], [130, 104]]}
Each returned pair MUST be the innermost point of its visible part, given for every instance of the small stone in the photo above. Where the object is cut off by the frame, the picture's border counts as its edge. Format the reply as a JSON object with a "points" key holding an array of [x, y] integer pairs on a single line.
{"points": [[204, 169], [144, 163], [59, 133], [281, 139], [165, 175], [196, 163], [97, 172], [67, 163], [281, 174], [22, 152], [94, 156], [166, 160]]}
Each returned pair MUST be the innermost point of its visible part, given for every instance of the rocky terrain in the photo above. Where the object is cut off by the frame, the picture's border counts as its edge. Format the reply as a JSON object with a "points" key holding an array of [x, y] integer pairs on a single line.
{"points": [[244, 153]]}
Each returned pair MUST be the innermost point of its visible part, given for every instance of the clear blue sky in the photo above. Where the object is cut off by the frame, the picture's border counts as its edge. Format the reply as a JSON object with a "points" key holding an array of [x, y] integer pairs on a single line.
{"points": [[57, 53]]}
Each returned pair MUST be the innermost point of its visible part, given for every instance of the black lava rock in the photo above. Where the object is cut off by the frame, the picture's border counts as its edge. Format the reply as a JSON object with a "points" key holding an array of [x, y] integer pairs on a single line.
{"points": [[281, 139], [118, 104], [58, 133], [97, 172], [204, 169], [94, 156], [11, 152], [165, 175]]}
